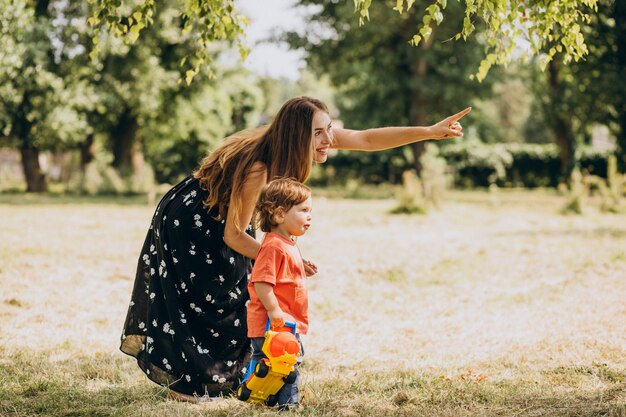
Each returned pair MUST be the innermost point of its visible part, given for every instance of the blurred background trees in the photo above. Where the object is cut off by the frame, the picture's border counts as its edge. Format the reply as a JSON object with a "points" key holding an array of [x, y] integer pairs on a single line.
{"points": [[121, 118]]}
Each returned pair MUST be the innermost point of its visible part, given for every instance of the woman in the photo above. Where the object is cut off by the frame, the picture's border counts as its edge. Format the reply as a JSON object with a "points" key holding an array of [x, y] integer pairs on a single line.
{"points": [[186, 323]]}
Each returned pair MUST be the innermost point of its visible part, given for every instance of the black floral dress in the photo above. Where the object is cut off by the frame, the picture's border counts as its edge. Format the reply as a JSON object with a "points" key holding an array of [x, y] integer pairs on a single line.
{"points": [[186, 323]]}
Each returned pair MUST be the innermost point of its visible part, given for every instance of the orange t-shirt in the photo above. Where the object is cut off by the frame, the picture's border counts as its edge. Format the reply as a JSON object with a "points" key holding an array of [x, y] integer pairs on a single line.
{"points": [[279, 264]]}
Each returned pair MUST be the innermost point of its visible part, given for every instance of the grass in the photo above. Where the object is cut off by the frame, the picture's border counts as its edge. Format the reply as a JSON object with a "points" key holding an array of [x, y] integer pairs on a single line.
{"points": [[487, 307]]}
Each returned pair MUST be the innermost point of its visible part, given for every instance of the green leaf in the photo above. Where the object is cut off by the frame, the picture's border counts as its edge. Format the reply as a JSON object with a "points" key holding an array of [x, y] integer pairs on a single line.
{"points": [[134, 33]]}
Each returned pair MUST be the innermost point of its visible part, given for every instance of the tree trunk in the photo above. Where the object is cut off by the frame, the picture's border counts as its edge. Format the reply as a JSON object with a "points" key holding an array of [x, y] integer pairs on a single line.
{"points": [[124, 136], [620, 25], [418, 104], [35, 179], [560, 123], [87, 152]]}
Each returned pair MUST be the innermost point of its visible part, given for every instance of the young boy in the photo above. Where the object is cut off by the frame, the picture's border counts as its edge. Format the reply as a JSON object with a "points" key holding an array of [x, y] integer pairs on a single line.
{"points": [[277, 283]]}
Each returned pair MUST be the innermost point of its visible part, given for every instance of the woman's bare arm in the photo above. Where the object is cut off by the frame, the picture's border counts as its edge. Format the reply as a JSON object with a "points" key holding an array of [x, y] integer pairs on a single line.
{"points": [[391, 137], [236, 237]]}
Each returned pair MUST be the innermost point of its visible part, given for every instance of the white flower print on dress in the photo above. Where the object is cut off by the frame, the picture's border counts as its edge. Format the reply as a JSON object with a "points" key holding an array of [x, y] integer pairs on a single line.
{"points": [[152, 295], [146, 259], [192, 276], [192, 249], [208, 259], [188, 378], [197, 221], [208, 297], [219, 379], [176, 223], [232, 260], [154, 323], [142, 325], [152, 271], [232, 295], [168, 329], [236, 325]]}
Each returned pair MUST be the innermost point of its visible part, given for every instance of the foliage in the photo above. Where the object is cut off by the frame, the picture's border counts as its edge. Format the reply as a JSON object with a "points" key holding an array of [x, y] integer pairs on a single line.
{"points": [[516, 164], [203, 22], [410, 196], [196, 121], [39, 107], [612, 190], [418, 195], [575, 96], [472, 159], [473, 163], [555, 25], [383, 81]]}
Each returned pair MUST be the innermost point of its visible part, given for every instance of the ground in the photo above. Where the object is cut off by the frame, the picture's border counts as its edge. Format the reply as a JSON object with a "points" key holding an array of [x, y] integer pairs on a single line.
{"points": [[494, 304]]}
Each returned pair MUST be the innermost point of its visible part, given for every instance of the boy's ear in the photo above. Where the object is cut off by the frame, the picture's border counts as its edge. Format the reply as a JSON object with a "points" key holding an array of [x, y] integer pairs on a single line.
{"points": [[279, 215]]}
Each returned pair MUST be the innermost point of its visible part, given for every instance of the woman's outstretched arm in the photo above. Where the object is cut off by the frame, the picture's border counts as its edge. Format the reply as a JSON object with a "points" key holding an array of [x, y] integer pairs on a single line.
{"points": [[392, 137]]}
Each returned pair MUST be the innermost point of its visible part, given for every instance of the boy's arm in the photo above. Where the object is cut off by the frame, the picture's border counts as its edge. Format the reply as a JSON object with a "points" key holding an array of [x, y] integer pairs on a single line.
{"points": [[265, 292]]}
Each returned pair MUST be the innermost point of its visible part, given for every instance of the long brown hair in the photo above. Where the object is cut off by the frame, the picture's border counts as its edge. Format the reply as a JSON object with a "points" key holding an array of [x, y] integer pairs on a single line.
{"points": [[285, 147]]}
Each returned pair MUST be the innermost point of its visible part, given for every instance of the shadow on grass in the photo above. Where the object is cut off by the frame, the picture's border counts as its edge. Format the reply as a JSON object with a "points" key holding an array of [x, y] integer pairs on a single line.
{"points": [[50, 384], [600, 232], [23, 199]]}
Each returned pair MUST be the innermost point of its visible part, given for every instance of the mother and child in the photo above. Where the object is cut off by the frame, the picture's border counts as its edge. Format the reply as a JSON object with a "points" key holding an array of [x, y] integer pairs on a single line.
{"points": [[187, 324]]}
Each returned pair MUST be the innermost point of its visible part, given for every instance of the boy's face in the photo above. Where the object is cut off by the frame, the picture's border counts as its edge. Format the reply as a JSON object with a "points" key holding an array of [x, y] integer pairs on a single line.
{"points": [[296, 221]]}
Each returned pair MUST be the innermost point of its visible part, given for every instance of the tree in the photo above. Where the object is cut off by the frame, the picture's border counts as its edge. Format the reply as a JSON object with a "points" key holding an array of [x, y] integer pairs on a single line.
{"points": [[39, 108], [590, 91], [194, 120], [381, 79], [505, 22], [206, 21]]}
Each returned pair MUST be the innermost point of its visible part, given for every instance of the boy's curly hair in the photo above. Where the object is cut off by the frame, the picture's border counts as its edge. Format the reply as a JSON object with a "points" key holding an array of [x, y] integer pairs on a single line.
{"points": [[280, 193]]}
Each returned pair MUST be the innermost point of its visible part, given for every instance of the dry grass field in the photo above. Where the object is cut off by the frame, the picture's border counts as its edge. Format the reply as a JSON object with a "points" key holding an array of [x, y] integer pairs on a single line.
{"points": [[486, 307]]}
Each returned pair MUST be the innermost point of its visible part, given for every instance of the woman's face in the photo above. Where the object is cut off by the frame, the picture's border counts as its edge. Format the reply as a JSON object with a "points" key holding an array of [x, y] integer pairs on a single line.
{"points": [[322, 135]]}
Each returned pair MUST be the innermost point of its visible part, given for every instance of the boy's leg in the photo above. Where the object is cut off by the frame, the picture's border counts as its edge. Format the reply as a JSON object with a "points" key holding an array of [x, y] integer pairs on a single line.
{"points": [[288, 394], [257, 352]]}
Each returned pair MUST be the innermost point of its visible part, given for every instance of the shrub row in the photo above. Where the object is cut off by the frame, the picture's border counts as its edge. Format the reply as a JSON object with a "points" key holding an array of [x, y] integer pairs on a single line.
{"points": [[517, 164], [473, 164]]}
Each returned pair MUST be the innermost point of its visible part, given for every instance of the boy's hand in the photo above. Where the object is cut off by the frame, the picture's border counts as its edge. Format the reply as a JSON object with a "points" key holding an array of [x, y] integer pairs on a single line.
{"points": [[277, 320], [310, 268]]}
